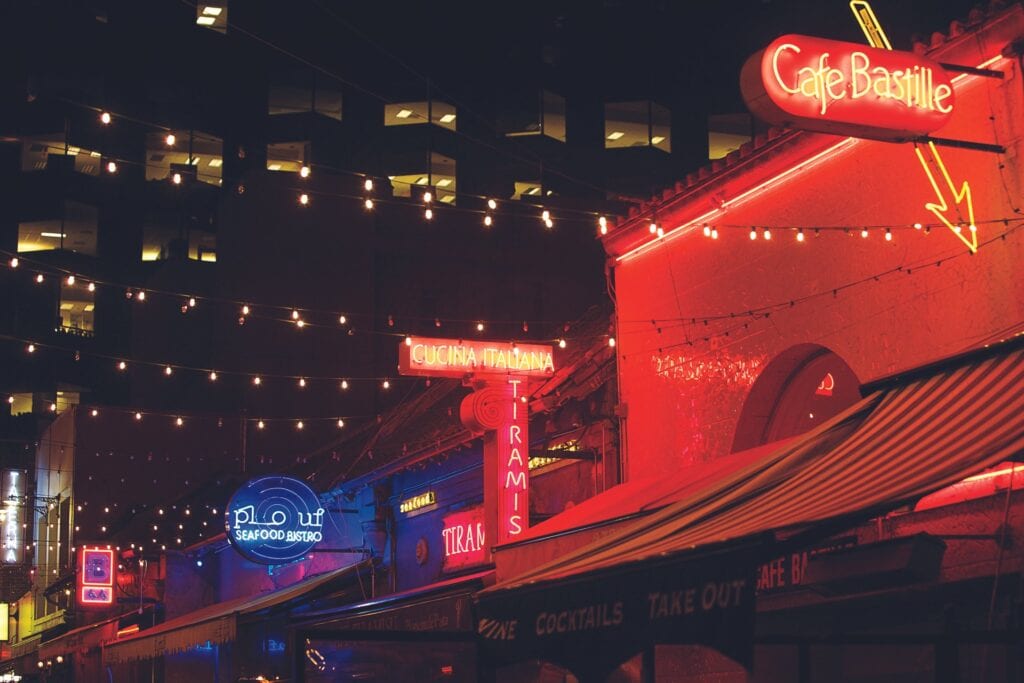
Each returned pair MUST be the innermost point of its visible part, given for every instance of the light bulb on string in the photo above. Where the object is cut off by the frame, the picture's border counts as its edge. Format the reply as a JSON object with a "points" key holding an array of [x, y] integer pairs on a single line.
{"points": [[545, 215], [341, 423], [864, 233], [480, 327], [14, 262], [917, 226], [972, 227], [302, 382], [170, 139], [652, 227], [39, 279], [428, 214], [549, 224], [304, 199], [111, 167], [213, 375], [602, 224], [491, 204], [259, 424], [368, 204], [385, 384], [168, 371], [714, 233], [138, 416], [122, 365], [661, 231], [427, 197], [344, 384], [958, 228], [176, 178], [707, 230], [179, 422], [71, 280], [888, 234], [31, 348], [488, 220], [295, 314], [408, 341], [368, 185], [191, 302], [141, 296], [611, 342], [106, 118], [767, 234], [94, 412], [245, 310], [256, 380], [300, 323], [800, 235], [91, 287], [561, 343], [304, 171], [753, 233], [299, 425]]}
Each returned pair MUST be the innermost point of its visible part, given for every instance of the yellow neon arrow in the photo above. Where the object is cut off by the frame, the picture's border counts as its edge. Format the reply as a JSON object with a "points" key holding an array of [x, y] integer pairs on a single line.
{"points": [[869, 24], [876, 37], [959, 196]]}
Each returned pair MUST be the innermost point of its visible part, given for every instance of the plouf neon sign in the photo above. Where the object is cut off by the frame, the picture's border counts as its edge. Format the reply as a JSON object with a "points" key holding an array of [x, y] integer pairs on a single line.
{"points": [[847, 89], [273, 520]]}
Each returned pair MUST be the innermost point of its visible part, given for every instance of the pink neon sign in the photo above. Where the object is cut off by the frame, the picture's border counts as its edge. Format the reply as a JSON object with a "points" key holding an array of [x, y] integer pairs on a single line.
{"points": [[513, 469]]}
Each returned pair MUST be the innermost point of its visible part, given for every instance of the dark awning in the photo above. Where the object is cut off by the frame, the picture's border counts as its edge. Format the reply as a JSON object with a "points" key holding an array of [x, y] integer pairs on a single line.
{"points": [[904, 440]]}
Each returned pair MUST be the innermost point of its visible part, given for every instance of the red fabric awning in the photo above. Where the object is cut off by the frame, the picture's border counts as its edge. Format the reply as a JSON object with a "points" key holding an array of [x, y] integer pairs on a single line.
{"points": [[898, 444]]}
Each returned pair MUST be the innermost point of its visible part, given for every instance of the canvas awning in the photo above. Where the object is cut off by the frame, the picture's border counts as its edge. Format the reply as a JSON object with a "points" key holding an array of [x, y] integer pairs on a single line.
{"points": [[216, 623], [81, 638], [908, 437]]}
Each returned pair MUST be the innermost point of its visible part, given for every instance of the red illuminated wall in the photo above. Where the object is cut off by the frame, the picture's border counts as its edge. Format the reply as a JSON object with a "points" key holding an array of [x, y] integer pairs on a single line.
{"points": [[684, 403]]}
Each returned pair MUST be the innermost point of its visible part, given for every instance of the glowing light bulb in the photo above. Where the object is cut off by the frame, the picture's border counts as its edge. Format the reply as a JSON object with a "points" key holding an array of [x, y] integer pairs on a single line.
{"points": [[661, 231], [168, 371], [714, 233], [31, 348], [53, 407], [40, 278], [170, 139], [245, 310], [295, 314], [368, 184], [972, 227], [545, 215], [141, 296], [479, 327], [408, 341], [888, 235], [548, 223], [611, 342], [427, 197], [179, 422], [191, 302], [652, 227], [138, 416], [94, 412], [91, 287], [106, 118], [299, 425], [864, 233], [342, 320], [260, 425], [256, 380], [213, 376], [428, 214], [386, 384], [304, 171], [491, 204], [122, 365], [14, 262], [767, 234], [753, 233], [707, 230], [300, 323], [71, 280], [368, 204], [304, 199], [917, 226], [111, 167], [341, 423], [958, 228], [344, 384], [800, 235], [561, 343], [302, 382], [487, 220]]}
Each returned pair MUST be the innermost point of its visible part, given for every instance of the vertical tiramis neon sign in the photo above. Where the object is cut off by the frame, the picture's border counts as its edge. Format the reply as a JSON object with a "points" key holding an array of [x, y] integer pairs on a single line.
{"points": [[513, 473]]}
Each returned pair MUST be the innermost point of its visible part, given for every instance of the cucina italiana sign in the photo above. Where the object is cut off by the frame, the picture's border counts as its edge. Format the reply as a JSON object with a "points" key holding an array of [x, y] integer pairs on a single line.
{"points": [[847, 89], [433, 357]]}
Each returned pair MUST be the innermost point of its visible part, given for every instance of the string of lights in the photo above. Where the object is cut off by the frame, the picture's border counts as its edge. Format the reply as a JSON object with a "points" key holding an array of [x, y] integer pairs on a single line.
{"points": [[744, 318]]}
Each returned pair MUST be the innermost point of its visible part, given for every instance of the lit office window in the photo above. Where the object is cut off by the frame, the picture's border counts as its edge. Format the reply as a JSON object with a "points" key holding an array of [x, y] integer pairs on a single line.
{"points": [[51, 151], [65, 400], [193, 155], [22, 404], [287, 156], [727, 133], [525, 189], [202, 246], [162, 240], [74, 230], [540, 114], [637, 124], [213, 17], [411, 113], [440, 176], [77, 304]]}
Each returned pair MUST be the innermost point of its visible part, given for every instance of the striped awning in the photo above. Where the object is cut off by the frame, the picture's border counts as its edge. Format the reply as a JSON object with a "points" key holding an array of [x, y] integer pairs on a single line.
{"points": [[907, 438], [213, 624]]}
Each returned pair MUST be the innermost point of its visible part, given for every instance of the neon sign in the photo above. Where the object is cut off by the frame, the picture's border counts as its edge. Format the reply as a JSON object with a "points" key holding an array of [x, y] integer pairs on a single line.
{"points": [[96, 576], [12, 513], [847, 89], [457, 358], [417, 502], [513, 469], [273, 520], [465, 541]]}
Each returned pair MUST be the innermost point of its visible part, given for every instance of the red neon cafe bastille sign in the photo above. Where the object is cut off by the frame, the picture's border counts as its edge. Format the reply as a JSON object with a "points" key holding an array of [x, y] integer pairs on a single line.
{"points": [[846, 89]]}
